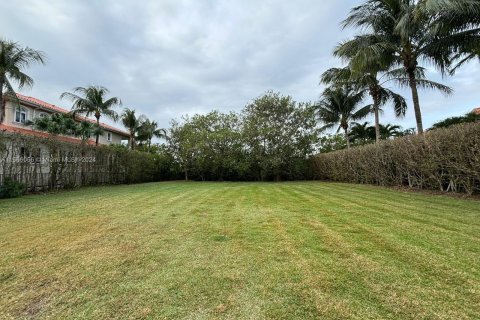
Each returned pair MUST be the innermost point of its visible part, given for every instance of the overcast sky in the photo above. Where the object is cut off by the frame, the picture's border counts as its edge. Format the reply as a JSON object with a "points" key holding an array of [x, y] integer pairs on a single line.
{"points": [[166, 58]]}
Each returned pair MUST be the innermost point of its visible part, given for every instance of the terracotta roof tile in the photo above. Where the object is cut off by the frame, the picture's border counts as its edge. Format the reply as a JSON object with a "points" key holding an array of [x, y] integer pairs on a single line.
{"points": [[42, 134]]}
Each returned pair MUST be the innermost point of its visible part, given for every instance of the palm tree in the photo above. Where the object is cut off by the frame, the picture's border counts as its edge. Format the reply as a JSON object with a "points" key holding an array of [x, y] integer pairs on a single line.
{"points": [[91, 101], [86, 129], [133, 124], [396, 31], [13, 59], [360, 133], [148, 130], [339, 105], [367, 80], [390, 131], [460, 21]]}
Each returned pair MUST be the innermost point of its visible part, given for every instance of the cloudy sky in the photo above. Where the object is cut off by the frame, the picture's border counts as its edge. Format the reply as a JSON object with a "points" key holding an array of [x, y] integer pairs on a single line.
{"points": [[166, 58]]}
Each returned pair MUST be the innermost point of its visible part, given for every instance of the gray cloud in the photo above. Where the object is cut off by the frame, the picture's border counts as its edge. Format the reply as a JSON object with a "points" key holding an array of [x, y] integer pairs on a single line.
{"points": [[169, 58]]}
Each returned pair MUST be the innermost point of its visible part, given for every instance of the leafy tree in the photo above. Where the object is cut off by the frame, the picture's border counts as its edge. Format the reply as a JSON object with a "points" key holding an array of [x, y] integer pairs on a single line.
{"points": [[92, 101], [279, 135], [182, 144], [64, 124], [56, 124], [210, 146], [339, 106], [148, 130], [329, 143], [133, 124], [13, 60], [399, 31]]}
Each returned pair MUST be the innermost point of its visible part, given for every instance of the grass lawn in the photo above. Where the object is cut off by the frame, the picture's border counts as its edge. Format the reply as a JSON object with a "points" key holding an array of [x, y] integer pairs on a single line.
{"points": [[301, 250]]}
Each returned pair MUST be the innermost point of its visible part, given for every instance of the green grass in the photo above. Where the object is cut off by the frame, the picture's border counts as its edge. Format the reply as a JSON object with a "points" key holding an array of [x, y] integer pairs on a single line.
{"points": [[302, 250]]}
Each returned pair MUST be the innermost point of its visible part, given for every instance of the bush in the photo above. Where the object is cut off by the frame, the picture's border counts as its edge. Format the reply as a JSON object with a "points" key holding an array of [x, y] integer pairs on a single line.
{"points": [[11, 189], [442, 159]]}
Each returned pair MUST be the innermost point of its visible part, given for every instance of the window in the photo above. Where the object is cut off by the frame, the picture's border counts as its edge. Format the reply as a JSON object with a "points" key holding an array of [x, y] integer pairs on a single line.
{"points": [[109, 136], [20, 115], [43, 115]]}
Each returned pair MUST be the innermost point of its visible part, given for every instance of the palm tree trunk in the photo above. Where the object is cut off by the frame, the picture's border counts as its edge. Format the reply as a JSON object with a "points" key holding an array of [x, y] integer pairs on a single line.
{"points": [[347, 138], [2, 106], [376, 110], [377, 124], [416, 101], [98, 134], [132, 141]]}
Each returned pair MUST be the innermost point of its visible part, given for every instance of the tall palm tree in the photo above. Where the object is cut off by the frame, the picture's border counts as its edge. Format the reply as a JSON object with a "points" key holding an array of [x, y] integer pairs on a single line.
{"points": [[395, 30], [13, 60], [133, 124], [92, 101], [148, 130], [369, 80], [339, 106]]}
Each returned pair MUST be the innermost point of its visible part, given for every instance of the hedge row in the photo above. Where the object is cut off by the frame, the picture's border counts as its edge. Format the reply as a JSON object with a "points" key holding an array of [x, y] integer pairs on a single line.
{"points": [[442, 159], [41, 164]]}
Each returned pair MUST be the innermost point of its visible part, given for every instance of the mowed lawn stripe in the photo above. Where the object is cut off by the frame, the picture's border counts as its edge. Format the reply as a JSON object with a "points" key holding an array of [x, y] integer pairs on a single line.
{"points": [[301, 250]]}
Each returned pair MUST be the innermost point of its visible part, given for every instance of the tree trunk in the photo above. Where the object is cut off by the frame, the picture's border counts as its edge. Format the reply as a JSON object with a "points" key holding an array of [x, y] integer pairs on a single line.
{"points": [[98, 134], [186, 174], [416, 102], [2, 106], [376, 111], [132, 141], [347, 137]]}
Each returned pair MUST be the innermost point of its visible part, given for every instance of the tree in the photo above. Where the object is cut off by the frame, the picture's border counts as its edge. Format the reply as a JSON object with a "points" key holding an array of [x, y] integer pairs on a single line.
{"points": [[85, 130], [361, 133], [389, 131], [64, 124], [399, 31], [367, 79], [339, 106], [13, 60], [330, 143], [92, 101], [469, 117], [460, 21], [279, 135], [148, 130], [56, 124], [133, 124], [182, 143]]}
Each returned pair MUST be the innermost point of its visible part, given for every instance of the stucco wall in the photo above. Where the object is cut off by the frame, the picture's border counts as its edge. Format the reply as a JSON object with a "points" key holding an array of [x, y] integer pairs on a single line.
{"points": [[33, 113]]}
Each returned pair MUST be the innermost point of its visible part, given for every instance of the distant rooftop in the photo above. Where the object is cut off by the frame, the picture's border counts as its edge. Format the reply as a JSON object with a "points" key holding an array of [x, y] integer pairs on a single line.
{"points": [[54, 108]]}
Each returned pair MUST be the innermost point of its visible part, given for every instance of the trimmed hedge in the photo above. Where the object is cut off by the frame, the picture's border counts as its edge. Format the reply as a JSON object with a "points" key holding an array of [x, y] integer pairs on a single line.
{"points": [[441, 159], [66, 165]]}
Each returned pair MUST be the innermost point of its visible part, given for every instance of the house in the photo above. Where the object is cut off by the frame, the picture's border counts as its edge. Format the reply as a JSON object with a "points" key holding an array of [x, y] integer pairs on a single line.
{"points": [[476, 111], [16, 115]]}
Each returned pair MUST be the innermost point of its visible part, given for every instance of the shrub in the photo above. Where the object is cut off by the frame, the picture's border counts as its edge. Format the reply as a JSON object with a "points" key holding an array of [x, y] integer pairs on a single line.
{"points": [[443, 159], [11, 189]]}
